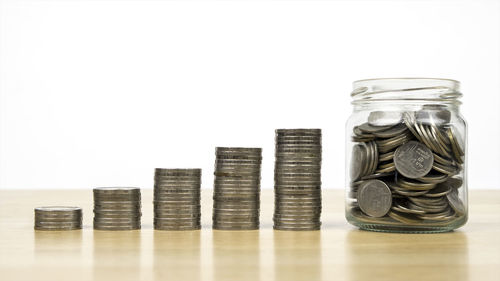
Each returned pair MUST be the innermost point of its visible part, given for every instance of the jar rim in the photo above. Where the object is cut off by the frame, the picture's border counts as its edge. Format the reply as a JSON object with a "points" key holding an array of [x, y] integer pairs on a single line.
{"points": [[405, 89], [406, 78]]}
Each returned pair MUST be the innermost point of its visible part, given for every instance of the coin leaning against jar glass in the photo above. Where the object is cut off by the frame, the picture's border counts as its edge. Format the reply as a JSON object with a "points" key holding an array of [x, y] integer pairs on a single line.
{"points": [[406, 168]]}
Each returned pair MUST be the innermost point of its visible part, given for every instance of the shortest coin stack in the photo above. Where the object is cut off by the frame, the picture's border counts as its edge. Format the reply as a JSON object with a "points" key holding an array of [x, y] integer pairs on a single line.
{"points": [[177, 199], [117, 208], [58, 218]]}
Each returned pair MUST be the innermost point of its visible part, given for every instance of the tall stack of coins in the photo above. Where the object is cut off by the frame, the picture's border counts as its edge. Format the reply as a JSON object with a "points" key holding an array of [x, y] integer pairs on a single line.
{"points": [[297, 179], [58, 218], [117, 208], [237, 188], [407, 169], [177, 199]]}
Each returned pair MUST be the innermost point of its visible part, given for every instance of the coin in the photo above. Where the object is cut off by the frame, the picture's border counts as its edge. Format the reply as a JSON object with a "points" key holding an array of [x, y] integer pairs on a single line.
{"points": [[431, 115], [413, 160], [374, 198], [384, 118], [455, 202], [357, 161], [391, 132]]}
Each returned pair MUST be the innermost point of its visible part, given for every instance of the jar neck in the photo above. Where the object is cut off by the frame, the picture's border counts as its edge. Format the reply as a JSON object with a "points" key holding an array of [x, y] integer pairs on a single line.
{"points": [[406, 93]]}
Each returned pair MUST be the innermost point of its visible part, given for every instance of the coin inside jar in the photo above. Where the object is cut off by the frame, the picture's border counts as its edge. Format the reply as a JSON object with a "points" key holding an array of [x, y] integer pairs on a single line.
{"points": [[413, 160], [375, 198]]}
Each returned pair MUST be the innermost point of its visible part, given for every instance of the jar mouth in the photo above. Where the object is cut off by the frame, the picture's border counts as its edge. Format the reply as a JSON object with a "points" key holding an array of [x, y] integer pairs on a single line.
{"points": [[406, 89]]}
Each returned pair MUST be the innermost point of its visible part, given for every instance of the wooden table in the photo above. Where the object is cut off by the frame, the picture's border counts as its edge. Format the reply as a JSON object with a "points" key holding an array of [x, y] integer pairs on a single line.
{"points": [[337, 252]]}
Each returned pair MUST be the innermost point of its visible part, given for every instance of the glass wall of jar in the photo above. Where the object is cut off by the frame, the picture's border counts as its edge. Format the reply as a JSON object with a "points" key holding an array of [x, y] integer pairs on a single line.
{"points": [[406, 156]]}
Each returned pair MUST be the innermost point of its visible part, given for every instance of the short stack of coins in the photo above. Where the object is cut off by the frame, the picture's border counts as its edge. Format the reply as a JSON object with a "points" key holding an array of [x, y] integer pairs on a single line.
{"points": [[58, 218], [177, 199], [117, 208], [237, 188], [297, 179], [407, 169]]}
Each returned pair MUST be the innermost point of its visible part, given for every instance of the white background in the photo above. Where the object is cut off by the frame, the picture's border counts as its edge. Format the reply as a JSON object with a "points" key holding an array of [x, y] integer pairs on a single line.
{"points": [[98, 93]]}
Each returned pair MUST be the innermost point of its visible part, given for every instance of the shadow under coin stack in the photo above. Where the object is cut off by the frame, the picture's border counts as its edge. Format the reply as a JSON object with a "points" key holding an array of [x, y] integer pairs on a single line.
{"points": [[117, 208], [237, 188], [297, 179], [407, 169], [177, 199], [58, 218]]}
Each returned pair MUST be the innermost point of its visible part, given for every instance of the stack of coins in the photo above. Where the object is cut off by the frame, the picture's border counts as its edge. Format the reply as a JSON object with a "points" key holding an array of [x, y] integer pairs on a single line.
{"points": [[237, 188], [407, 169], [177, 199], [117, 208], [297, 179], [58, 218]]}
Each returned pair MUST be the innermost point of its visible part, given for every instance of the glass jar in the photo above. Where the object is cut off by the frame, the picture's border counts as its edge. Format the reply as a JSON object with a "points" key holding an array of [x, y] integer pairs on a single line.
{"points": [[406, 152]]}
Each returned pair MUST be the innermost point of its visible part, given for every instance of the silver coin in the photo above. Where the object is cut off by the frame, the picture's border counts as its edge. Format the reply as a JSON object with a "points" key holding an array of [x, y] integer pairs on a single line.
{"points": [[374, 198], [59, 209], [384, 118], [235, 228], [455, 202], [172, 210], [405, 209], [457, 148], [387, 145], [406, 192], [57, 228], [292, 223], [370, 129], [439, 191], [237, 190], [177, 215], [177, 171], [117, 228], [177, 227], [297, 215], [117, 205], [405, 218], [298, 132], [433, 116], [295, 198], [391, 132], [58, 215], [413, 160], [162, 222], [454, 182], [176, 195], [295, 227], [434, 178], [414, 185], [161, 180], [238, 169], [386, 156], [116, 190]]}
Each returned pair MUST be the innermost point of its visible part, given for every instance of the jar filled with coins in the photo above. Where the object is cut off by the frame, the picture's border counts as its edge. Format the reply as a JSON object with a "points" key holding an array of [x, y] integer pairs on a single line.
{"points": [[406, 156]]}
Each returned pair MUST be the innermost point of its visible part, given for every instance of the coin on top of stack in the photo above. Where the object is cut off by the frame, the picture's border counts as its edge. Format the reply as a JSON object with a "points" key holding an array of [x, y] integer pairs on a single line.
{"points": [[58, 218], [177, 199], [117, 208], [237, 188], [297, 179]]}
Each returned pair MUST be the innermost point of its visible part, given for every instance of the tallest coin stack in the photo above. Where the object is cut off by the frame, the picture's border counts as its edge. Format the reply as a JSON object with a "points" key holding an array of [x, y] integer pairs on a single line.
{"points": [[297, 179]]}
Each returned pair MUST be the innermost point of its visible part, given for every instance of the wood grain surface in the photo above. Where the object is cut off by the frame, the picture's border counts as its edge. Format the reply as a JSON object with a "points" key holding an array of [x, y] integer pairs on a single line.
{"points": [[337, 252]]}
